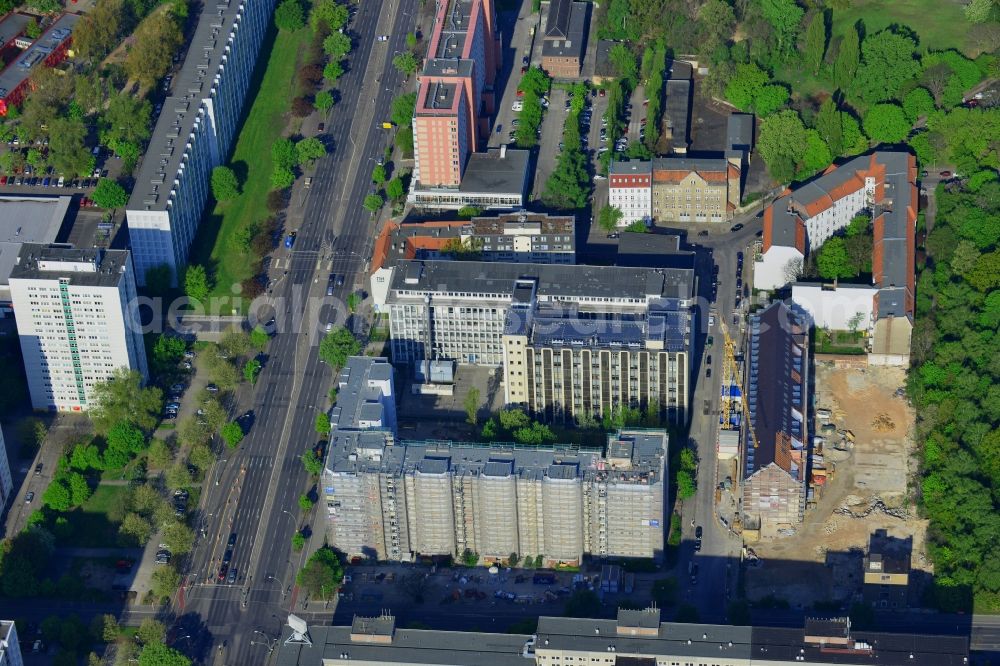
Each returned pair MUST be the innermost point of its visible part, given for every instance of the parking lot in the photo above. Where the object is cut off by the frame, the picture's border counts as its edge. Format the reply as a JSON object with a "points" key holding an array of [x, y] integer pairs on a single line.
{"points": [[462, 598]]}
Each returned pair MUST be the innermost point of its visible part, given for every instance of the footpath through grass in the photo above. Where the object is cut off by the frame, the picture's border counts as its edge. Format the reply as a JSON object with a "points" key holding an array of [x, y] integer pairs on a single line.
{"points": [[215, 246]]}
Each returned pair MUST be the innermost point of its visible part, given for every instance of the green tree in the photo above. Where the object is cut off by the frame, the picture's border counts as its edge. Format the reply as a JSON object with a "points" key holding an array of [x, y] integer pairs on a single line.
{"points": [[609, 218], [85, 456], [394, 189], [232, 434], [298, 541], [201, 457], [886, 123], [329, 12], [288, 16], [782, 142], [305, 503], [225, 185], [309, 150], [770, 99], [196, 283], [402, 109], [623, 59], [159, 454], [833, 261], [979, 11], [887, 64], [332, 71], [312, 464], [135, 529], [178, 537], [471, 405], [378, 174], [323, 423], [373, 202], [785, 17], [109, 194], [337, 346], [57, 496], [168, 350], [79, 489], [123, 398], [406, 63], [150, 631], [337, 45], [126, 120], [829, 126], [251, 369], [158, 654], [814, 46], [259, 338], [817, 155], [322, 574], [985, 274], [917, 103], [848, 59], [151, 54], [323, 101]]}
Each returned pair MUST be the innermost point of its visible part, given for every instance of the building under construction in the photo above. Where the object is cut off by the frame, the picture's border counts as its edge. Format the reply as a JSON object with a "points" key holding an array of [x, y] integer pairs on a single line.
{"points": [[397, 500], [776, 451]]}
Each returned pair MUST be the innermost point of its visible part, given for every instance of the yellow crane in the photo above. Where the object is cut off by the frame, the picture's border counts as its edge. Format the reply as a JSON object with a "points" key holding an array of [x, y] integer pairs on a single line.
{"points": [[730, 377]]}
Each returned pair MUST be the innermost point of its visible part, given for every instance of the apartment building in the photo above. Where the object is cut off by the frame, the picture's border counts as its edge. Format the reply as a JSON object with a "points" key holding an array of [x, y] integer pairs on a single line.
{"points": [[194, 133], [777, 393], [49, 50], [10, 650], [455, 91], [676, 189], [397, 500], [77, 319], [882, 185], [634, 638], [563, 365], [630, 190], [6, 482], [457, 310]]}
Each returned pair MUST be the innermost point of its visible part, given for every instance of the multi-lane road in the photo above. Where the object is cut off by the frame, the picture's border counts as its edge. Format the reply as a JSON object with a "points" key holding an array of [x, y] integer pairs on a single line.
{"points": [[258, 487]]}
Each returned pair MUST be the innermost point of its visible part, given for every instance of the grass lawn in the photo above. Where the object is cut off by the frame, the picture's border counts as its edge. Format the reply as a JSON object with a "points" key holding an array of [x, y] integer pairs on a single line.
{"points": [[939, 24], [91, 526], [213, 246]]}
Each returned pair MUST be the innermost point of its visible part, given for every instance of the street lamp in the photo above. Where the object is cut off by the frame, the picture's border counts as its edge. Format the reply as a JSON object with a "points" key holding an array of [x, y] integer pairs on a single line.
{"points": [[268, 642], [281, 585]]}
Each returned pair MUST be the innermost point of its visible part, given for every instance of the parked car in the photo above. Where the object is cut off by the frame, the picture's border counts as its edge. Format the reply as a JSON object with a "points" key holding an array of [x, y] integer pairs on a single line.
{"points": [[946, 174], [232, 540], [736, 227], [232, 576], [38, 469], [30, 496], [290, 240]]}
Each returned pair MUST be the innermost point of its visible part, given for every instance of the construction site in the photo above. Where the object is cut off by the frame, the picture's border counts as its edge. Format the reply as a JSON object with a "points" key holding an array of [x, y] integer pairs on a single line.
{"points": [[862, 465]]}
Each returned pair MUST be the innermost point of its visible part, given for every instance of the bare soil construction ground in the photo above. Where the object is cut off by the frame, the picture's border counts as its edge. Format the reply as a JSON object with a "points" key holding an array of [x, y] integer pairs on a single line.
{"points": [[823, 561]]}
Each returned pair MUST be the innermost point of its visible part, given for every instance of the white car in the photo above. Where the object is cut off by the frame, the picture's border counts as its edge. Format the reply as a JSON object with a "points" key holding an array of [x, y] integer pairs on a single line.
{"points": [[383, 38], [517, 106]]}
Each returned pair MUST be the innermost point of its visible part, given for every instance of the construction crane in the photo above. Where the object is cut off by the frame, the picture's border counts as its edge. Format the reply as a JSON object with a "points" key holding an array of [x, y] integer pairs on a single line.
{"points": [[730, 378]]}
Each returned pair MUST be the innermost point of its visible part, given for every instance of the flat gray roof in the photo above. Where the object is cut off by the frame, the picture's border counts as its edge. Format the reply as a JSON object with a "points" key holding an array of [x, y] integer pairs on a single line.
{"points": [[33, 56], [408, 646], [678, 108], [12, 26], [357, 401], [497, 171], [653, 250], [192, 84], [739, 131], [554, 280], [683, 640], [440, 96], [558, 461], [87, 267], [27, 219]]}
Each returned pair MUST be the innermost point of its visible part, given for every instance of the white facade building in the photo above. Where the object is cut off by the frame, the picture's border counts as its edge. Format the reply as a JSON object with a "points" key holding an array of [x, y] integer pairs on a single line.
{"points": [[630, 190], [78, 322], [194, 133], [10, 650]]}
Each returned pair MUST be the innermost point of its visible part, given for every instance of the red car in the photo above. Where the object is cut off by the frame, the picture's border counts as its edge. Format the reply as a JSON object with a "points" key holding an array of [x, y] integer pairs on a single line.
{"points": [[601, 92], [946, 174], [3, 180], [222, 571], [520, 93], [524, 70]]}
